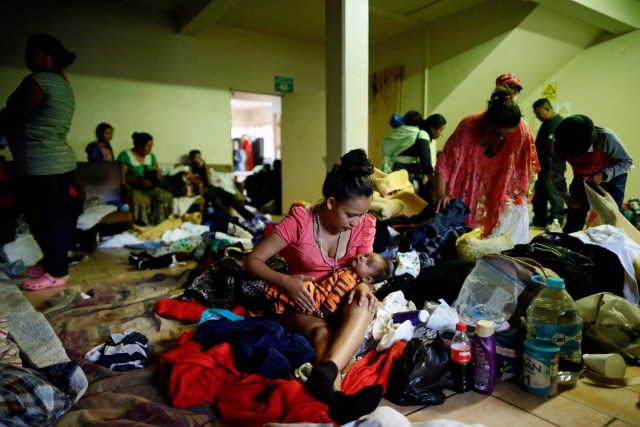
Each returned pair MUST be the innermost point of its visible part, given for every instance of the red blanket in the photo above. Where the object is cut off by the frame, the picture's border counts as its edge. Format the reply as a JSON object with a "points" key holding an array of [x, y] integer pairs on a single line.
{"points": [[193, 378]]}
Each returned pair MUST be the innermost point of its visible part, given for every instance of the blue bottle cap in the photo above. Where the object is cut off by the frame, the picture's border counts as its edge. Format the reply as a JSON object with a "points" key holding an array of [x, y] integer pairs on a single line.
{"points": [[555, 282]]}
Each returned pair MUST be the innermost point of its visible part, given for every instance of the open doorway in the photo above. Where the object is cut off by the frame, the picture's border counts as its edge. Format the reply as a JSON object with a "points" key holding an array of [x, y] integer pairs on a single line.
{"points": [[255, 133]]}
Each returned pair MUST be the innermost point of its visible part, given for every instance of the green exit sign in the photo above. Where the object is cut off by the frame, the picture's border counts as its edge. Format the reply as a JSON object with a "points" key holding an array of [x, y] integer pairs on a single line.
{"points": [[284, 84]]}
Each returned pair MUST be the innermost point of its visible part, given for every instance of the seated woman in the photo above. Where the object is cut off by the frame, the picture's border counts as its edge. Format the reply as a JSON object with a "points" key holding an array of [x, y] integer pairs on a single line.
{"points": [[141, 173], [100, 150], [316, 242]]}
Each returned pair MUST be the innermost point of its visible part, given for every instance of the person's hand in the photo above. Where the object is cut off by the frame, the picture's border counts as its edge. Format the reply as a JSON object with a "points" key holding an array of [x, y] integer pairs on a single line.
{"points": [[146, 183], [594, 179], [363, 296], [294, 285], [575, 203], [440, 199]]}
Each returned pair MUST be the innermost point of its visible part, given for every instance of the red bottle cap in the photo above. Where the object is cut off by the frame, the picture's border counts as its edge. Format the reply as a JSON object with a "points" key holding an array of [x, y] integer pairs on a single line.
{"points": [[461, 326]]}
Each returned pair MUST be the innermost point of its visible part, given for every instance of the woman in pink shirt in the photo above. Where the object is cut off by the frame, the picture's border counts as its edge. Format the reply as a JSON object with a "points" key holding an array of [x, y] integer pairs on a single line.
{"points": [[316, 242]]}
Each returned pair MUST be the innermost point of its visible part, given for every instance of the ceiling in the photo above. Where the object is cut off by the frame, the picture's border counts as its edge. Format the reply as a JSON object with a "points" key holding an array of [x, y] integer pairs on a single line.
{"points": [[303, 20]]}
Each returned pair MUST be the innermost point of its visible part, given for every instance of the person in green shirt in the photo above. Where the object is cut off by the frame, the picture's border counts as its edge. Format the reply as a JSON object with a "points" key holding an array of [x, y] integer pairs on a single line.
{"points": [[141, 174]]}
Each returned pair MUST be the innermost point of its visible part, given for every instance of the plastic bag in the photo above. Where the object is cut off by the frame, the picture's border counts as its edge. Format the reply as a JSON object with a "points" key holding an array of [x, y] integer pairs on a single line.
{"points": [[514, 221], [421, 374], [612, 324], [604, 210], [525, 268], [24, 247], [471, 246], [489, 292]]}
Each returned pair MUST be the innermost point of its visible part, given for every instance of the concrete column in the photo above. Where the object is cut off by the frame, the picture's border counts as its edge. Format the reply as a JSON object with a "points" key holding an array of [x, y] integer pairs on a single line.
{"points": [[347, 62]]}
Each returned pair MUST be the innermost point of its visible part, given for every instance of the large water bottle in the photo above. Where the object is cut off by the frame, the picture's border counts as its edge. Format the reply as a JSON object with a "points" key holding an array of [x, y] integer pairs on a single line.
{"points": [[553, 316]]}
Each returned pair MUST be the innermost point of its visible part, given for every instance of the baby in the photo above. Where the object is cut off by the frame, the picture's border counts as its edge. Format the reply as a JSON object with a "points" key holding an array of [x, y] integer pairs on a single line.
{"points": [[368, 268]]}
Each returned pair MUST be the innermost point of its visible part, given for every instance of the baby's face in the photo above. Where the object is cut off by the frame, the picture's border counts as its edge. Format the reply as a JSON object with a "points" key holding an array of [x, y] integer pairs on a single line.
{"points": [[367, 265]]}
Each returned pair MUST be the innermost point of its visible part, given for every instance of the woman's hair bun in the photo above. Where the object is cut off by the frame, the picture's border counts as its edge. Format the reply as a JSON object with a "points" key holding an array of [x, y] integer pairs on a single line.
{"points": [[357, 163], [501, 95], [135, 134]]}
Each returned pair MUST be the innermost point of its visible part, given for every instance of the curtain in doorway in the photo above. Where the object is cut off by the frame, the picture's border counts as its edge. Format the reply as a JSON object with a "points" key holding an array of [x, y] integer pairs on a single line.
{"points": [[384, 100]]}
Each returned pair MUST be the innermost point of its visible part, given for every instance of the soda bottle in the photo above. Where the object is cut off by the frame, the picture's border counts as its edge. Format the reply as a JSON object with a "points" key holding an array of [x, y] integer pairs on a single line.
{"points": [[461, 368], [553, 316]]}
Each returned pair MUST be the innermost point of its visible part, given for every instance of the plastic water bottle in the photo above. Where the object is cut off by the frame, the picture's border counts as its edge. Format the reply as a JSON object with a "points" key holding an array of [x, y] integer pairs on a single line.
{"points": [[553, 316], [461, 368]]}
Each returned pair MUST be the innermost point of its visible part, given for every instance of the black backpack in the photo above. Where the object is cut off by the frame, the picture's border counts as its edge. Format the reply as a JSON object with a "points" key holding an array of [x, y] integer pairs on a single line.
{"points": [[575, 268]]}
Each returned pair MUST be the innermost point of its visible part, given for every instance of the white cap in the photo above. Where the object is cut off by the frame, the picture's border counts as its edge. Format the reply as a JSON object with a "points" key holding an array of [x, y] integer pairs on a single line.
{"points": [[484, 328]]}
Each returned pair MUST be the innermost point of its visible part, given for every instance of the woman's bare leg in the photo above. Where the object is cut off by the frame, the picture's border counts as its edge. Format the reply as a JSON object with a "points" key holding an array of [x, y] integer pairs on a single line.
{"points": [[314, 329], [348, 339]]}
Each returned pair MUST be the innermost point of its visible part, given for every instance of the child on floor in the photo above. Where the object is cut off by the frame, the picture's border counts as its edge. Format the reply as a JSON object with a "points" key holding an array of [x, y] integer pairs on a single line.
{"points": [[369, 268]]}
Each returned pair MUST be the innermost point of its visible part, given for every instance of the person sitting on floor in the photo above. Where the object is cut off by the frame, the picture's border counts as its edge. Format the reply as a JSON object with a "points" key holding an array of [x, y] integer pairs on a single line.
{"points": [[219, 198], [141, 173], [315, 243]]}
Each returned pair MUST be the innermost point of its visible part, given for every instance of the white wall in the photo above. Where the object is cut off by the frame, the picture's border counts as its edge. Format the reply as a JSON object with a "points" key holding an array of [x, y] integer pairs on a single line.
{"points": [[136, 73]]}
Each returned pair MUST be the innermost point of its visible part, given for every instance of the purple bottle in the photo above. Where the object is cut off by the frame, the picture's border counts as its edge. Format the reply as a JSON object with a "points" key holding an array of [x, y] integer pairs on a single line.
{"points": [[415, 316], [484, 357]]}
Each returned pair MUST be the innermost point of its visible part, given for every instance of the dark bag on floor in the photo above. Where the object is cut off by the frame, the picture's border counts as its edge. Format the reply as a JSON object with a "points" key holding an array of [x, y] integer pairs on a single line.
{"points": [[575, 268], [421, 374], [607, 274]]}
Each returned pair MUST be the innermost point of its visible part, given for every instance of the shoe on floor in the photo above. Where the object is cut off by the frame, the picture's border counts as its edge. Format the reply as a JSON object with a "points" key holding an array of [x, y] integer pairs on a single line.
{"points": [[554, 227], [35, 271], [43, 282]]}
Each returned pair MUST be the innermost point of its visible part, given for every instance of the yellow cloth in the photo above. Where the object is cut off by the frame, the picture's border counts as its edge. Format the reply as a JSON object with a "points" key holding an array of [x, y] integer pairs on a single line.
{"points": [[395, 195], [156, 232]]}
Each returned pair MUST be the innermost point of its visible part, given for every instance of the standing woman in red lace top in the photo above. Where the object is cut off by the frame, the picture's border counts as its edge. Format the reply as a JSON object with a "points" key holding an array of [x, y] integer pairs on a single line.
{"points": [[486, 163]]}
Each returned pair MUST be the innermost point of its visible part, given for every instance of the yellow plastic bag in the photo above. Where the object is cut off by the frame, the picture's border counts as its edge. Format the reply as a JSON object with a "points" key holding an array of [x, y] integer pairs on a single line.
{"points": [[470, 246]]}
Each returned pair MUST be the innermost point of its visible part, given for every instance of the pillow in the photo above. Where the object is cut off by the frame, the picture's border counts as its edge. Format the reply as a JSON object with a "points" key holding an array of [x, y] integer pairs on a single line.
{"points": [[223, 180]]}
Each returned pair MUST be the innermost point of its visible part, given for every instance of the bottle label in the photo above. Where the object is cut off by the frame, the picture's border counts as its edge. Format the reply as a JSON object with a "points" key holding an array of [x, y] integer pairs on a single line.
{"points": [[461, 356], [567, 337], [540, 373]]}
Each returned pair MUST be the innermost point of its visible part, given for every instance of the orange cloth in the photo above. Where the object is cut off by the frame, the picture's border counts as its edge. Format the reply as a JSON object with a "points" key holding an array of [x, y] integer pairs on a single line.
{"points": [[327, 294]]}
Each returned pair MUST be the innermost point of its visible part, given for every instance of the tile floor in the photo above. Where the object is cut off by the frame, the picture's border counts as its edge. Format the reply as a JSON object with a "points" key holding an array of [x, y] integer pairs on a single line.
{"points": [[582, 405]]}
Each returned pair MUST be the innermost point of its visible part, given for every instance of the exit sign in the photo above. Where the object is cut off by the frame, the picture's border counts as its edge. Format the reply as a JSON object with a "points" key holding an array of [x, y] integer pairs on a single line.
{"points": [[284, 84]]}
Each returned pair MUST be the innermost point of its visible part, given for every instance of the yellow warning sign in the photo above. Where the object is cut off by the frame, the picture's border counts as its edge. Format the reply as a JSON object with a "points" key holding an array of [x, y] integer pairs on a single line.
{"points": [[563, 108], [549, 91]]}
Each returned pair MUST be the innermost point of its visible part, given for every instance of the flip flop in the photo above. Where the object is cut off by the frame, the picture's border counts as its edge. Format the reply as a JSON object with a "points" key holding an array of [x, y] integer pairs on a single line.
{"points": [[35, 272], [43, 282]]}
